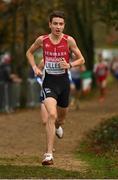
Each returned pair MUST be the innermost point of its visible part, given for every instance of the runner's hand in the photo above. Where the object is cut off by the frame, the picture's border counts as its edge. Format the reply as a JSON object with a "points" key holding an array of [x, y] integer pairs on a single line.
{"points": [[64, 64], [37, 71]]}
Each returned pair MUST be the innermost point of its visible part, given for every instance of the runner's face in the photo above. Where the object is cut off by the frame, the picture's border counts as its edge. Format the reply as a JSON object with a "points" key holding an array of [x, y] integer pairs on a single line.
{"points": [[57, 26]]}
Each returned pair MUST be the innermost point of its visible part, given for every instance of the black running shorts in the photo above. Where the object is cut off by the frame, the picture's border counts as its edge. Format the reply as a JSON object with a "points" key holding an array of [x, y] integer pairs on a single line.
{"points": [[58, 87]]}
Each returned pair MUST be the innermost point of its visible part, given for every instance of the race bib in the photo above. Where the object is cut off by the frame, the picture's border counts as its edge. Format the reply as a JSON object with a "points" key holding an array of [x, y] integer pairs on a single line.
{"points": [[53, 68]]}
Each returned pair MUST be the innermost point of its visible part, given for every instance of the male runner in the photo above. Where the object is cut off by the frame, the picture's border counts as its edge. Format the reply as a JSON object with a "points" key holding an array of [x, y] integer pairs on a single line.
{"points": [[55, 88], [101, 71]]}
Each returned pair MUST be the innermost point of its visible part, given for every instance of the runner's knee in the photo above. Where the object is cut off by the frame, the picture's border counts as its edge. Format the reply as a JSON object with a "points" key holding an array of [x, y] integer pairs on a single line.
{"points": [[52, 116]]}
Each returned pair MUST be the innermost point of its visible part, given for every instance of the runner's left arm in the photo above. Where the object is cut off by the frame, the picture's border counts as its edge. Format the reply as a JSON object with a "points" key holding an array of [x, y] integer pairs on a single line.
{"points": [[79, 60]]}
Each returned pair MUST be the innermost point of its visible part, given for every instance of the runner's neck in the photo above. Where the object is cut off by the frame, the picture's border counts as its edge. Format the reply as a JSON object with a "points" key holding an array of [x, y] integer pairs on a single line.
{"points": [[55, 39]]}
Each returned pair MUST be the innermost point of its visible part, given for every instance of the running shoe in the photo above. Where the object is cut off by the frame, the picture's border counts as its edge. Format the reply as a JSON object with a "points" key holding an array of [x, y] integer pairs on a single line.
{"points": [[48, 159], [59, 132]]}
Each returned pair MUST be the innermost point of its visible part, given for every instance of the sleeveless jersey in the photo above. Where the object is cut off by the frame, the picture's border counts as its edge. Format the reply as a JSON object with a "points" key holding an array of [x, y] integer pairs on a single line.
{"points": [[101, 70], [53, 54]]}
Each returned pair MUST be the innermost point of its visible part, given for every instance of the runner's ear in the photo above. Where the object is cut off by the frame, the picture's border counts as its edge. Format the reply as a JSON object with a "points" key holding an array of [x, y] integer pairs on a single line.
{"points": [[49, 24]]}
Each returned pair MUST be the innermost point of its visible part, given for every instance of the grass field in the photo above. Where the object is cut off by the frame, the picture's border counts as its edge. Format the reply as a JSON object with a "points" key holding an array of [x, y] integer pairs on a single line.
{"points": [[100, 149], [16, 172]]}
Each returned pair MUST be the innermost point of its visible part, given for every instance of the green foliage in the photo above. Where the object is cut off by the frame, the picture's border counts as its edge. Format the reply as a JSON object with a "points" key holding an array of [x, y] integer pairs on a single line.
{"points": [[99, 150], [15, 172], [108, 11], [98, 166], [103, 139]]}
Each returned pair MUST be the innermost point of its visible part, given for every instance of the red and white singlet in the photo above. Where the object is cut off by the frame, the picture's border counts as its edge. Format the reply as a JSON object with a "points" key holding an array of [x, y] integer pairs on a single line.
{"points": [[53, 54]]}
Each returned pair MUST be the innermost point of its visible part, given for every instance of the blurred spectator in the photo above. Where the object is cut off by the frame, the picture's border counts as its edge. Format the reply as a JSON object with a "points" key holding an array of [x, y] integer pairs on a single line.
{"points": [[33, 90], [6, 80], [75, 87], [101, 72], [75, 84], [114, 67], [86, 78]]}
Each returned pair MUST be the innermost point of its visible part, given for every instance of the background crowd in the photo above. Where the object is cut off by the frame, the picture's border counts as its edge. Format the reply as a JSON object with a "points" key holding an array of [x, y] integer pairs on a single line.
{"points": [[81, 84]]}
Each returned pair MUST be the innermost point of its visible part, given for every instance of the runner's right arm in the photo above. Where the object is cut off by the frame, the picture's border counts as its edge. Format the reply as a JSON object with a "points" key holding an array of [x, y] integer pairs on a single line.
{"points": [[30, 55], [41, 64]]}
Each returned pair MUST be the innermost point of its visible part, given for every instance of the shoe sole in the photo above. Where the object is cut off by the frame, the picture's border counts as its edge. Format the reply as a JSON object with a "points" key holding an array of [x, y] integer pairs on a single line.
{"points": [[47, 163]]}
